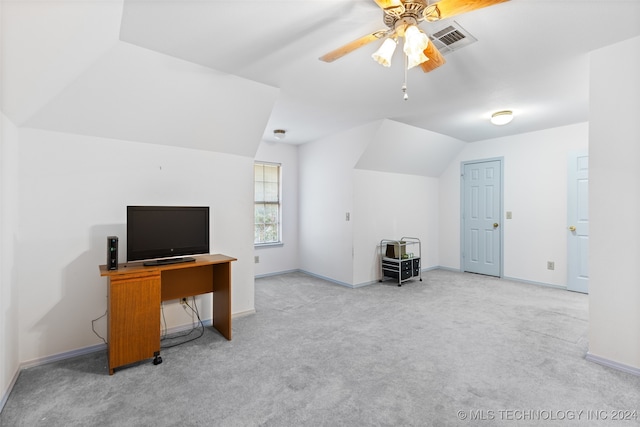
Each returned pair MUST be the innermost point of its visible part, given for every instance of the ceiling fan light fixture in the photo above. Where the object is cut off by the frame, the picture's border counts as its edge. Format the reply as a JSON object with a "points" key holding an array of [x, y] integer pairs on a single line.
{"points": [[503, 117], [279, 133], [416, 59], [415, 41], [385, 52]]}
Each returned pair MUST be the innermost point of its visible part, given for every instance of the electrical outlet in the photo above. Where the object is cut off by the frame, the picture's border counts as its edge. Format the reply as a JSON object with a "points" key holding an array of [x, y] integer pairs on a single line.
{"points": [[509, 216], [551, 265], [256, 259], [348, 216]]}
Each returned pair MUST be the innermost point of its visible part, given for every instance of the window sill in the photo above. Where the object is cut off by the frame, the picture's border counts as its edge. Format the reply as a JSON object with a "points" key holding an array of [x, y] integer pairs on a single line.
{"points": [[267, 245]]}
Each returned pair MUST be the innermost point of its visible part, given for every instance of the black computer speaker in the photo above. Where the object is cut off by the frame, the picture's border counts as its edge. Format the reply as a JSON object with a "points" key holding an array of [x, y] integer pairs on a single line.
{"points": [[112, 253]]}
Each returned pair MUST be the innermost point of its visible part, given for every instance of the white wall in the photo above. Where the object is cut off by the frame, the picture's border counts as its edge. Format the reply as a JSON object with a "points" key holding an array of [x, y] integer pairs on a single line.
{"points": [[282, 258], [614, 206], [391, 206], [326, 195], [73, 193], [334, 181], [9, 297], [535, 191]]}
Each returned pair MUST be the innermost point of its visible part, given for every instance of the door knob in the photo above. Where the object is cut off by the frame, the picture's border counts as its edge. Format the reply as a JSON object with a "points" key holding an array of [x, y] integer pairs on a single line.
{"points": [[572, 228], [495, 225]]}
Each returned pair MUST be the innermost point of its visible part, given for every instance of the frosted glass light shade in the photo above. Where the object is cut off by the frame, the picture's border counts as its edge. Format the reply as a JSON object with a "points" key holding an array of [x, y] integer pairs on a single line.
{"points": [[385, 52], [500, 118], [417, 59], [414, 40]]}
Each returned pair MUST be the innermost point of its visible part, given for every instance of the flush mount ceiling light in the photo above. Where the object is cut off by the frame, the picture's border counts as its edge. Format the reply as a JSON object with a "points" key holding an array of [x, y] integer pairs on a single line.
{"points": [[503, 117], [279, 133]]}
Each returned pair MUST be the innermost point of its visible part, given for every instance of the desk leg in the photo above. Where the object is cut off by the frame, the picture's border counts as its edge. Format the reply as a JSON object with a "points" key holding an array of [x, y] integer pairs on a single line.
{"points": [[222, 298]]}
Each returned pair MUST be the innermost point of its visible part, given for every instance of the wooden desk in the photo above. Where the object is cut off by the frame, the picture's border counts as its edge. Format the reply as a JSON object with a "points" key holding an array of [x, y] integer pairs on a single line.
{"points": [[135, 293]]}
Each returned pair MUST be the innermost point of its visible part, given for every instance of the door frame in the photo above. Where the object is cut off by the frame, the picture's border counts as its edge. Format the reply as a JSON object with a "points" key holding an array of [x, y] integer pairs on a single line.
{"points": [[462, 206]]}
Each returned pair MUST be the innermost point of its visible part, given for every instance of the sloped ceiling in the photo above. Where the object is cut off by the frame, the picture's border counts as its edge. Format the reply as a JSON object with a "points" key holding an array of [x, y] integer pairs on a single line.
{"points": [[65, 69], [136, 94], [531, 56], [221, 75], [400, 148], [46, 45]]}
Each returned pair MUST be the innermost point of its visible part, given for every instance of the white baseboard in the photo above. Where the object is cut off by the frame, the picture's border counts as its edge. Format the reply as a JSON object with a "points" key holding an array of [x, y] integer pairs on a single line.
{"points": [[62, 356], [424, 270], [243, 313], [277, 273], [441, 267], [91, 349], [612, 364], [48, 359], [337, 282], [100, 347], [328, 279], [531, 282], [5, 396]]}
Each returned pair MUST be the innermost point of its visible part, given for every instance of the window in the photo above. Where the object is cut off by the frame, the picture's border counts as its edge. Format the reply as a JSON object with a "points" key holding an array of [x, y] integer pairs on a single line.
{"points": [[266, 203]]}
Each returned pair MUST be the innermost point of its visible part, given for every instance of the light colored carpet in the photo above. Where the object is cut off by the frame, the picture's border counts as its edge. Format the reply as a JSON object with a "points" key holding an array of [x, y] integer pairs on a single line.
{"points": [[454, 349]]}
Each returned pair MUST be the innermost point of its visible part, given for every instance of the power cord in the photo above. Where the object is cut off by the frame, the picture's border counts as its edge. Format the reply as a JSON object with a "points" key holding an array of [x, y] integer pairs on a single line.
{"points": [[93, 326], [164, 323], [198, 326]]}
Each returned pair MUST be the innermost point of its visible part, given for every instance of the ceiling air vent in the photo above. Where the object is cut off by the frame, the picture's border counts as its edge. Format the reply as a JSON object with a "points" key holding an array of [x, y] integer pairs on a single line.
{"points": [[452, 37]]}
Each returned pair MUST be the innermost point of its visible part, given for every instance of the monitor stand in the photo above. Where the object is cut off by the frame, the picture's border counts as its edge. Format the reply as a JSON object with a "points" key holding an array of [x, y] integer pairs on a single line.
{"points": [[168, 261]]}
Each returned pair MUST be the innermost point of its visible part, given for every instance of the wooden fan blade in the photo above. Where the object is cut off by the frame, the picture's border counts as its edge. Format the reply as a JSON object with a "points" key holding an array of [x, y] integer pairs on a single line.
{"points": [[350, 47], [435, 58], [449, 8]]}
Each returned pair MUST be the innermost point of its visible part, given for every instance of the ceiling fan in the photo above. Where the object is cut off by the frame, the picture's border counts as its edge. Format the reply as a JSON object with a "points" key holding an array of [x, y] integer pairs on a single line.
{"points": [[402, 19]]}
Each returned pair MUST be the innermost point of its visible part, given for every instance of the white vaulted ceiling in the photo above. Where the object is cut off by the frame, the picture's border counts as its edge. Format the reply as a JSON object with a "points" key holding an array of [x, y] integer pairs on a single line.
{"points": [[134, 94], [221, 75]]}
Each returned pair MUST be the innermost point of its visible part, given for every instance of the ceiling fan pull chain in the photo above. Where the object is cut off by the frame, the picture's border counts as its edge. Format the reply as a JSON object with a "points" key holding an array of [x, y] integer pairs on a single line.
{"points": [[404, 86]]}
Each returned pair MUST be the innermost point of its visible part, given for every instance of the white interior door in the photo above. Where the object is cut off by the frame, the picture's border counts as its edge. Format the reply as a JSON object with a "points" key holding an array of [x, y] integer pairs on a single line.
{"points": [[481, 227], [578, 223]]}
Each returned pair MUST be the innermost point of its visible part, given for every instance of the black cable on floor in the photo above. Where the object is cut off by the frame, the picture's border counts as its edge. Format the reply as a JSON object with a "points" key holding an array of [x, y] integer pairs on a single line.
{"points": [[200, 327]]}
